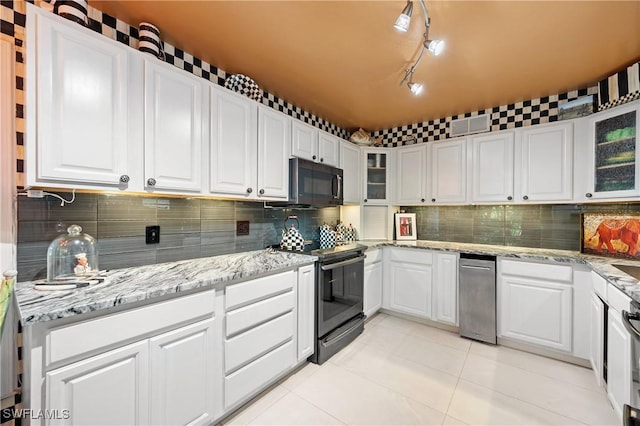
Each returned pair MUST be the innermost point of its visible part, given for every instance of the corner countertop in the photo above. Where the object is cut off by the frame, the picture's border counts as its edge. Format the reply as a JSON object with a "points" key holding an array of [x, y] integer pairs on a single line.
{"points": [[139, 284], [600, 264]]}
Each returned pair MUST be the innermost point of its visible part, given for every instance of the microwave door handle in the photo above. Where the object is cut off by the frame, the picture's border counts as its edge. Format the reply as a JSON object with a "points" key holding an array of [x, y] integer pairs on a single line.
{"points": [[339, 189], [626, 320]]}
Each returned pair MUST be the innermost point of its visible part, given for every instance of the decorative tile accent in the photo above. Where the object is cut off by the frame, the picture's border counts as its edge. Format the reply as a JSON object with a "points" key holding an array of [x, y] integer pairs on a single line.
{"points": [[620, 88]]}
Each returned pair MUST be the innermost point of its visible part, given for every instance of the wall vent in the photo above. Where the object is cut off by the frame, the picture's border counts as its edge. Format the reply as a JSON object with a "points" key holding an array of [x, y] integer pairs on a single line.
{"points": [[468, 125]]}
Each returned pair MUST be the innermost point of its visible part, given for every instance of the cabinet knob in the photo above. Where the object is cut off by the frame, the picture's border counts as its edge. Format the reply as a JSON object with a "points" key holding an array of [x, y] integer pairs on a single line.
{"points": [[589, 195], [525, 197], [261, 192], [322, 160], [124, 178], [433, 200], [365, 200], [249, 190], [314, 157], [151, 182], [509, 198], [422, 199]]}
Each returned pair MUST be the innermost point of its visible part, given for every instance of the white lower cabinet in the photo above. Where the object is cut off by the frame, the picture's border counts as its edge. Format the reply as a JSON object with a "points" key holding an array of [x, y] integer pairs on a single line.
{"points": [[306, 311], [596, 350], [619, 346], [445, 288], [408, 283], [535, 304], [372, 282], [181, 360], [113, 384]]}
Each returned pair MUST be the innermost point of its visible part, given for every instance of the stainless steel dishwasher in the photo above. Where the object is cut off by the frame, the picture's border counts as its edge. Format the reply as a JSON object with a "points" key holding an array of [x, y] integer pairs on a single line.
{"points": [[477, 297]]}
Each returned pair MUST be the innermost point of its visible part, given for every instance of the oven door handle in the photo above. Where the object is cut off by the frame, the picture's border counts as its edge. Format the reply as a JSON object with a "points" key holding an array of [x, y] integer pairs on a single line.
{"points": [[343, 263], [626, 320], [331, 340]]}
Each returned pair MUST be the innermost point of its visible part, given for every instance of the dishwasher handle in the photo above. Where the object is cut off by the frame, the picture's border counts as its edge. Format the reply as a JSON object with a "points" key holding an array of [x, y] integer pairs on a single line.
{"points": [[483, 268], [626, 320]]}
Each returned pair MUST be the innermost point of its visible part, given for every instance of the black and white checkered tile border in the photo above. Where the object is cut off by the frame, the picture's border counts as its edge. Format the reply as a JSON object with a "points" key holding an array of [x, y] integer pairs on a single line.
{"points": [[622, 87], [520, 114]]}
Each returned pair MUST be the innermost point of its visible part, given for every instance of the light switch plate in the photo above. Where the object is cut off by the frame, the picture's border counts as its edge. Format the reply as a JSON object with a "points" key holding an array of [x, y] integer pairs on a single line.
{"points": [[152, 234], [242, 227]]}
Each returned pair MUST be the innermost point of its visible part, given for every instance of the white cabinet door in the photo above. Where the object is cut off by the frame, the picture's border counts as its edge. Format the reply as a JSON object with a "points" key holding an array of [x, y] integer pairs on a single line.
{"points": [[445, 287], [328, 149], [306, 311], [351, 178], [448, 171], [304, 141], [619, 381], [596, 352], [174, 121], [410, 288], [536, 311], [546, 165], [274, 146], [492, 167], [181, 360], [113, 384], [233, 148], [377, 170], [411, 177], [372, 288], [79, 120]]}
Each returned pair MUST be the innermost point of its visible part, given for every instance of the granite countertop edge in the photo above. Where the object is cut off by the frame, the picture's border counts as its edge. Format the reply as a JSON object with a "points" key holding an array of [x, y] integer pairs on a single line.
{"points": [[143, 283], [600, 264]]}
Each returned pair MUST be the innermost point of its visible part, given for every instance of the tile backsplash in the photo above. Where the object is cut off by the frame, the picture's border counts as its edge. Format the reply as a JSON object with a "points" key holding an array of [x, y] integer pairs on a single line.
{"points": [[189, 228], [540, 226]]}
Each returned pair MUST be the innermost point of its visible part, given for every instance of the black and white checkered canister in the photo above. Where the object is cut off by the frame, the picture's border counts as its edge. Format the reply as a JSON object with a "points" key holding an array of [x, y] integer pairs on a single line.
{"points": [[74, 10], [244, 85], [149, 40]]}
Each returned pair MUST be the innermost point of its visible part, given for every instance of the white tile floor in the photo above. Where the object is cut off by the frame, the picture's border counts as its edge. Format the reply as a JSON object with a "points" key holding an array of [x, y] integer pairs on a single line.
{"points": [[402, 372]]}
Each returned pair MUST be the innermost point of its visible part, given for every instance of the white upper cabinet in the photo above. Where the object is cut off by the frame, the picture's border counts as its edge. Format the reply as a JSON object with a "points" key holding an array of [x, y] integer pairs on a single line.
{"points": [[351, 178], [233, 153], [312, 144], [492, 167], [328, 148], [274, 147], [612, 158], [448, 171], [377, 171], [411, 179], [175, 106], [545, 169], [82, 112]]}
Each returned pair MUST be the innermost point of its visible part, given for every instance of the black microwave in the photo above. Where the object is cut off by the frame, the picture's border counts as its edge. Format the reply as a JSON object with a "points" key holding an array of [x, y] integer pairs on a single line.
{"points": [[313, 184]]}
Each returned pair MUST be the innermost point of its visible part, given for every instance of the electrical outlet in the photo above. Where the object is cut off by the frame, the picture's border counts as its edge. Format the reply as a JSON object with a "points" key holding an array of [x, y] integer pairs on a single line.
{"points": [[153, 234], [242, 227], [35, 193]]}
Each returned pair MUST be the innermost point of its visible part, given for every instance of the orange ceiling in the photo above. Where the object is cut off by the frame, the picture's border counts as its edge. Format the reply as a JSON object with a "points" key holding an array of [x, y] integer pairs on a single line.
{"points": [[343, 60]]}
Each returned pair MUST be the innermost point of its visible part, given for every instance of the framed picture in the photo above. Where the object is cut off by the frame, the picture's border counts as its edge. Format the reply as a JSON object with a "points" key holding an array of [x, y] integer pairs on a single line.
{"points": [[578, 108], [406, 226], [611, 234]]}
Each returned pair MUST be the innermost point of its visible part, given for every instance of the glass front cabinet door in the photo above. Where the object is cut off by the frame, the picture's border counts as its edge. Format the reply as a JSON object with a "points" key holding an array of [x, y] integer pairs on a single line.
{"points": [[376, 184], [615, 154]]}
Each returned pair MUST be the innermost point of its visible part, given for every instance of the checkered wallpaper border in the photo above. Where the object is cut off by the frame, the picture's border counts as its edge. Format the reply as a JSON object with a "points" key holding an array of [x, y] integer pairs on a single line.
{"points": [[520, 114]]}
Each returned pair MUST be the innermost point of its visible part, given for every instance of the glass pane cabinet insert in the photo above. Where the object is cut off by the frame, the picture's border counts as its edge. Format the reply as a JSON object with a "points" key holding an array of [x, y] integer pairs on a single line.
{"points": [[615, 153], [376, 176]]}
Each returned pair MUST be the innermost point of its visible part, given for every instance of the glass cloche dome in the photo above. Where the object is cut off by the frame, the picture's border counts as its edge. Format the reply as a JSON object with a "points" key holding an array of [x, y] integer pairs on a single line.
{"points": [[73, 255]]}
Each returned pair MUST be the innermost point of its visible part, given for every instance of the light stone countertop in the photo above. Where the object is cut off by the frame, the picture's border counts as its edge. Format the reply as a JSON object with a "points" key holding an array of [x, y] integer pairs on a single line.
{"points": [[139, 284], [600, 264]]}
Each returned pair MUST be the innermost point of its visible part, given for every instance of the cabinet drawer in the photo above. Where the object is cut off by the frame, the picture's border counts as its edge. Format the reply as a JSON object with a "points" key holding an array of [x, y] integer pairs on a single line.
{"points": [[251, 378], [63, 343], [246, 317], [617, 300], [373, 256], [255, 342], [251, 291], [543, 271], [599, 285], [419, 256]]}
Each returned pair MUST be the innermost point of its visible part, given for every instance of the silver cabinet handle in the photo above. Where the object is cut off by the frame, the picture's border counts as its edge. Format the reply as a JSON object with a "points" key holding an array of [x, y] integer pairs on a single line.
{"points": [[589, 195], [509, 198], [525, 197], [151, 182], [124, 178], [261, 192], [249, 190]]}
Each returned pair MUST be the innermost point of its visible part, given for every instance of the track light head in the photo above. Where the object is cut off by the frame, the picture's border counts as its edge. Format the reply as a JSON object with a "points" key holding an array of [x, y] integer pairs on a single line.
{"points": [[435, 46], [404, 19]]}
